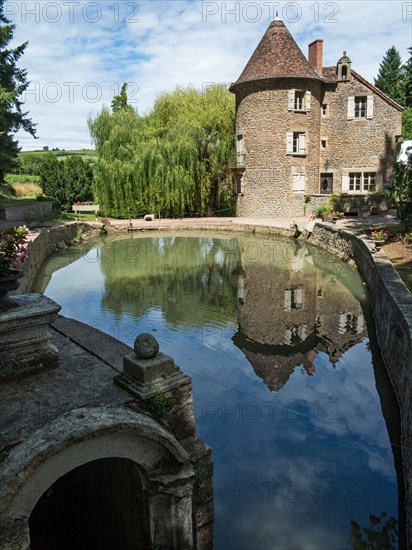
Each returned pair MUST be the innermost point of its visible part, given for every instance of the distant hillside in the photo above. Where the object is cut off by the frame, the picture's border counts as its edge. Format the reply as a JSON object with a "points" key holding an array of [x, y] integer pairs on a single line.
{"points": [[86, 154]]}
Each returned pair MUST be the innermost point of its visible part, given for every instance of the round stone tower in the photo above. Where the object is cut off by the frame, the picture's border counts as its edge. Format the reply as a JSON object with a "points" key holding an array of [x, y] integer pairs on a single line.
{"points": [[278, 101]]}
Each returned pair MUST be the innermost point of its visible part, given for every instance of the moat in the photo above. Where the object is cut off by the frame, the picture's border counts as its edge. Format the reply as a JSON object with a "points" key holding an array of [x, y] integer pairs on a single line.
{"points": [[288, 384]]}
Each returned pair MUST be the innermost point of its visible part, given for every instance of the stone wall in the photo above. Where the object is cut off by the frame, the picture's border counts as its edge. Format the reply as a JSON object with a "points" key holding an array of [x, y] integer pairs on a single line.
{"points": [[392, 309], [44, 245], [34, 211], [367, 144], [263, 119]]}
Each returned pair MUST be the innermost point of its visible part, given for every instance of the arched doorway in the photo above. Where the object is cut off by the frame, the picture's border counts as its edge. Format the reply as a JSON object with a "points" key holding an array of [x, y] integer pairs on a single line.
{"points": [[84, 469], [100, 504]]}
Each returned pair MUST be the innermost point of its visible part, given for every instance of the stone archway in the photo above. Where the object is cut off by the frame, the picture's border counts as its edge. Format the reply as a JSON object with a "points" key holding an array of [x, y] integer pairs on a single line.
{"points": [[101, 504], [81, 439]]}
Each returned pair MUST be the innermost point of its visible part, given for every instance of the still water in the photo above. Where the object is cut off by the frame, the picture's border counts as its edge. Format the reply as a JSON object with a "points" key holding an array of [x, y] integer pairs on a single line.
{"points": [[288, 384]]}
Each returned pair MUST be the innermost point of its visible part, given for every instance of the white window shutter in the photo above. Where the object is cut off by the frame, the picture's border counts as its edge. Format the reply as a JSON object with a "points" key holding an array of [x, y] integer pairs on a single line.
{"points": [[242, 185], [369, 106], [302, 144], [308, 97], [345, 183], [351, 107], [289, 142], [295, 182], [298, 182], [291, 100]]}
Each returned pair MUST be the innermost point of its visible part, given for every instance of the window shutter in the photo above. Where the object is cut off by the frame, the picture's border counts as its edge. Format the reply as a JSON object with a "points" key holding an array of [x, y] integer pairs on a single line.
{"points": [[291, 100], [298, 182], [369, 106], [289, 142], [351, 107], [345, 183], [302, 144], [308, 97]]}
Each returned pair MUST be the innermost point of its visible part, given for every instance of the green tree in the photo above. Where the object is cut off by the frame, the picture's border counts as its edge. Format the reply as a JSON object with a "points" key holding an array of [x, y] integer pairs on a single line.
{"points": [[390, 79], [175, 159], [402, 190], [67, 180], [407, 123], [381, 534], [407, 69], [120, 101], [13, 82]]}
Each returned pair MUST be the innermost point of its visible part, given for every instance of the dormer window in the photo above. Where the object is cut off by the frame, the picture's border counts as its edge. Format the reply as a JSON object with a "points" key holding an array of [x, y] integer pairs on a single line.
{"points": [[299, 100], [343, 68]]}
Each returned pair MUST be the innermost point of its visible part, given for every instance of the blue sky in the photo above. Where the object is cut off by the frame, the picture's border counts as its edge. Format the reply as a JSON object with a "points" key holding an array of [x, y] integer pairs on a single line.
{"points": [[80, 52]]}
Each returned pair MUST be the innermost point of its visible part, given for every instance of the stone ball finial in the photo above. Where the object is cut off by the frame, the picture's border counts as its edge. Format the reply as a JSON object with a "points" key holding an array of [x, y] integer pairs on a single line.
{"points": [[146, 346]]}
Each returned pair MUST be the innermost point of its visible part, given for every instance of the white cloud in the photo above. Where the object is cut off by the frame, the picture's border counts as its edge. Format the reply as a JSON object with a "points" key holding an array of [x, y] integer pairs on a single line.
{"points": [[159, 45]]}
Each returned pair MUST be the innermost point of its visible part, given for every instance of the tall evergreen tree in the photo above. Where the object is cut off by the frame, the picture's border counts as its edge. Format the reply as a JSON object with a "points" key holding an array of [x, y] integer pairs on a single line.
{"points": [[408, 80], [390, 79], [13, 82], [120, 101]]}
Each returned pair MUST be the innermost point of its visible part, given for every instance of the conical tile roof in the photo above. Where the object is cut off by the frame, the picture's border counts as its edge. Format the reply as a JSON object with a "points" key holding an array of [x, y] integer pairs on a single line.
{"points": [[277, 55]]}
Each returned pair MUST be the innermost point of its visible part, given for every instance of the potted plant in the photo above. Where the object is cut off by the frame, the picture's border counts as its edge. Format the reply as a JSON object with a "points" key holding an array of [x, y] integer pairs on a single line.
{"points": [[376, 200], [379, 236], [323, 211], [13, 252]]}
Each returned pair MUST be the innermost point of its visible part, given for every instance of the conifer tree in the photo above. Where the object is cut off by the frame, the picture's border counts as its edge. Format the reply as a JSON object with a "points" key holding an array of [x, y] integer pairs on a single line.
{"points": [[408, 80], [390, 79], [13, 82]]}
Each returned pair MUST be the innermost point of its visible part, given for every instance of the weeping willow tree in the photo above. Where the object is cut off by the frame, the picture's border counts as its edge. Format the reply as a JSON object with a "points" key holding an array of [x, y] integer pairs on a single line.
{"points": [[176, 159]]}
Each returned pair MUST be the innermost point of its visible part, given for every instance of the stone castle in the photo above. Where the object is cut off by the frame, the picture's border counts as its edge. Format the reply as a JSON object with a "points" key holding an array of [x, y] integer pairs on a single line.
{"points": [[305, 132]]}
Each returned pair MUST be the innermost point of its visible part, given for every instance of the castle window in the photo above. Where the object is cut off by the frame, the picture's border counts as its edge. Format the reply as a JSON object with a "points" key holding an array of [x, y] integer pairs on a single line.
{"points": [[358, 182], [360, 107], [355, 181], [325, 110], [298, 182], [369, 180], [323, 143], [299, 100], [296, 143], [326, 184], [344, 72], [293, 298], [239, 183], [240, 150]]}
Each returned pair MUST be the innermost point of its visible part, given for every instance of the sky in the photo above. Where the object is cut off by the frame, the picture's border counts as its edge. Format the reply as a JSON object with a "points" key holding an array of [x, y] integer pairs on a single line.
{"points": [[80, 52]]}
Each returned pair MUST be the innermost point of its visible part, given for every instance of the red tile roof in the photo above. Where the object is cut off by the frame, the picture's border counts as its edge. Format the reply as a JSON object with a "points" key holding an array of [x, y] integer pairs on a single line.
{"points": [[277, 55]]}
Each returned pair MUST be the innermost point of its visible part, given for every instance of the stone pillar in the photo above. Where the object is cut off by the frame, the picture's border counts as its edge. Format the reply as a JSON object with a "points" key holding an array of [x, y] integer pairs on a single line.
{"points": [[160, 387], [24, 340], [154, 379]]}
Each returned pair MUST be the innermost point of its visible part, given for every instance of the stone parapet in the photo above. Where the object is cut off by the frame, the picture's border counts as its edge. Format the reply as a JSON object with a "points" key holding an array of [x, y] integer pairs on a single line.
{"points": [[24, 340]]}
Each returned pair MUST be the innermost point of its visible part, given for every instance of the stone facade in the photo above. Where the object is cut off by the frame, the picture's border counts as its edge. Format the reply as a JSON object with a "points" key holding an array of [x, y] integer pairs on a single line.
{"points": [[347, 126]]}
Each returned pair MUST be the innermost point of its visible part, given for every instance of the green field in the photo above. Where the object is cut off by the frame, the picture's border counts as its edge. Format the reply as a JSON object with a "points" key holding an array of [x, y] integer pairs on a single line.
{"points": [[86, 154]]}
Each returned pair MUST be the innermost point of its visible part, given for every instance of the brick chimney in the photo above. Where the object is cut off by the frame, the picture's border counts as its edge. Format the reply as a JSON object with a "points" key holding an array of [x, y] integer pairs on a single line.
{"points": [[316, 55]]}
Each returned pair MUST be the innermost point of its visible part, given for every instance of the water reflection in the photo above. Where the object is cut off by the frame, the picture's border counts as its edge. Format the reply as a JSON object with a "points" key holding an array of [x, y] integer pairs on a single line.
{"points": [[275, 337], [290, 311]]}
